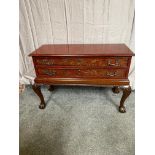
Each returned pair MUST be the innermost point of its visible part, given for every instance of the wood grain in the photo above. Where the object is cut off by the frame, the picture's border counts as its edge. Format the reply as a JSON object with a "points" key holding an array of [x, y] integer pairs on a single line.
{"points": [[83, 64]]}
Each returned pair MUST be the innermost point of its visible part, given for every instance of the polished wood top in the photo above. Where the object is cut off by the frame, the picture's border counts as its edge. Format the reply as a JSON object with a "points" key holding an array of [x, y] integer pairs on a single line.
{"points": [[83, 50]]}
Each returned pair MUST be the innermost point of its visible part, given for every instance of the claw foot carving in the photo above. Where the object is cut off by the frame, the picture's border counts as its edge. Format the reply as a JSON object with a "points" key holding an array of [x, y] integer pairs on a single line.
{"points": [[42, 106], [122, 109], [126, 93]]}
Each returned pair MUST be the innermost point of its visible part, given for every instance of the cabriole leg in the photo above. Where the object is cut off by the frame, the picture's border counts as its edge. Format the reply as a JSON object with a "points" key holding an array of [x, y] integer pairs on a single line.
{"points": [[126, 93], [37, 90]]}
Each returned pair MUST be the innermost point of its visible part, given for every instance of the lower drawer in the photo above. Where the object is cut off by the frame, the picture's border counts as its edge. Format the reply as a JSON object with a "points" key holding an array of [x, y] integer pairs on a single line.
{"points": [[76, 73]]}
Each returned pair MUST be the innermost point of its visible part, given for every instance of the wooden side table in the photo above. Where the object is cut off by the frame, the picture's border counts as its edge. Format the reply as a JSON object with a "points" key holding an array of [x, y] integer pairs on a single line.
{"points": [[104, 65]]}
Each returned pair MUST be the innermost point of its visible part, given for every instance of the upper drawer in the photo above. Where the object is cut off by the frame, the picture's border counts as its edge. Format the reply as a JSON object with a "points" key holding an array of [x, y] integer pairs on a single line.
{"points": [[83, 61]]}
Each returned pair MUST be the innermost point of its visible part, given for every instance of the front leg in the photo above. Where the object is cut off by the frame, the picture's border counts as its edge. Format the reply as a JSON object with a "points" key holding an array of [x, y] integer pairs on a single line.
{"points": [[126, 93], [37, 90]]}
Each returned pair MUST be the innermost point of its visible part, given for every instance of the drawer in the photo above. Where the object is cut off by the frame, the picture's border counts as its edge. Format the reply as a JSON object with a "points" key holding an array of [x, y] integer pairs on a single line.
{"points": [[114, 62], [75, 73]]}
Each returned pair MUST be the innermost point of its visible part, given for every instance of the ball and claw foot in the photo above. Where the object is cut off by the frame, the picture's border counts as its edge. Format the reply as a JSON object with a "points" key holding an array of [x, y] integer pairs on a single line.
{"points": [[42, 106], [122, 109]]}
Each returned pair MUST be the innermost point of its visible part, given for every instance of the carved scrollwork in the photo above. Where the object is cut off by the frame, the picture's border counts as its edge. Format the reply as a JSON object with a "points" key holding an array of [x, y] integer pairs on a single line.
{"points": [[111, 74], [45, 62], [50, 72]]}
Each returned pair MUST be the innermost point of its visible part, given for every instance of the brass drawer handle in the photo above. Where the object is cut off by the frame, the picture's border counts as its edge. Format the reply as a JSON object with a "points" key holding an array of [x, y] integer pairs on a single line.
{"points": [[45, 62], [115, 64], [50, 73], [111, 74]]}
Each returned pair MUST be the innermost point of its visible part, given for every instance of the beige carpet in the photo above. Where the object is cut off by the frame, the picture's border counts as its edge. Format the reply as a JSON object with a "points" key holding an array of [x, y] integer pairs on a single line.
{"points": [[76, 121]]}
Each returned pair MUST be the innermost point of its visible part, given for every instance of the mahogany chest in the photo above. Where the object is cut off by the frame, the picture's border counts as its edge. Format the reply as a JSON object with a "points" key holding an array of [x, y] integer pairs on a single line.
{"points": [[83, 64]]}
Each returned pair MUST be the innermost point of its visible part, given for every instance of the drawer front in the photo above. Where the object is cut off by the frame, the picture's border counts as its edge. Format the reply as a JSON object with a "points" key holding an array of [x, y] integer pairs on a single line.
{"points": [[75, 73], [114, 62]]}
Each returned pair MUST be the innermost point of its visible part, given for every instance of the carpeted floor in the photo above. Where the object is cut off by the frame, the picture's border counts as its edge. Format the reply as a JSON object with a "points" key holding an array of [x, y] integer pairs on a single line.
{"points": [[76, 121]]}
